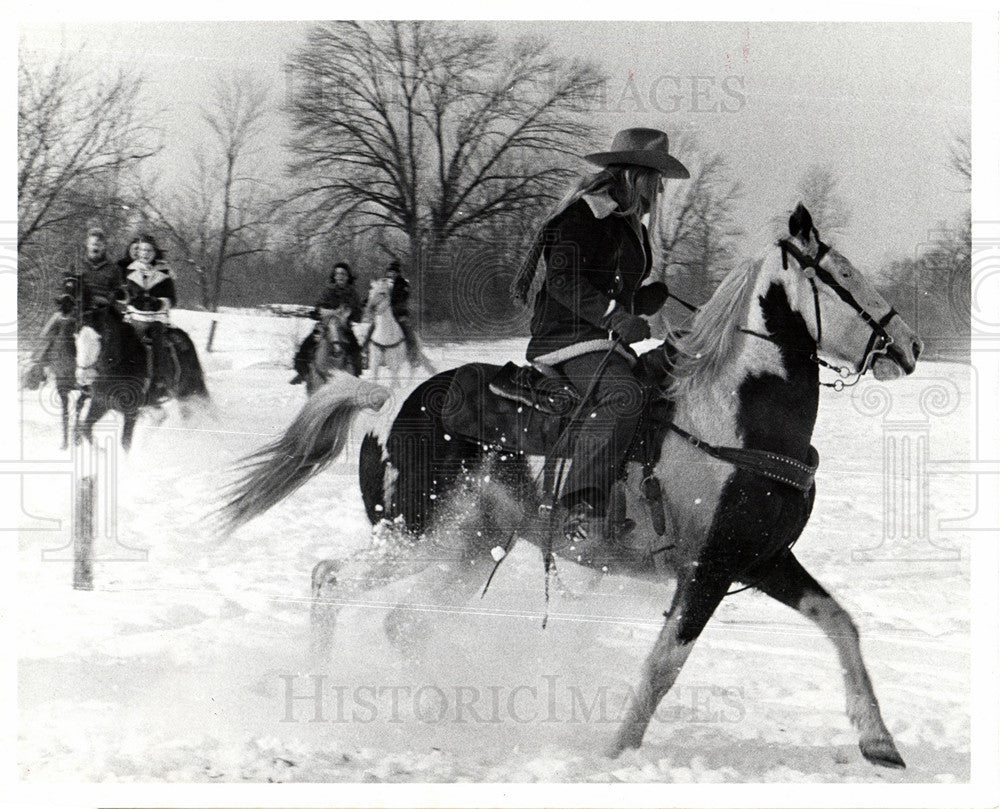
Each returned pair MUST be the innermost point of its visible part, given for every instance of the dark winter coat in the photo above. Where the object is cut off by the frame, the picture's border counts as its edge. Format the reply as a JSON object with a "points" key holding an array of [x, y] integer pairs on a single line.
{"points": [[399, 298], [98, 281], [593, 257], [147, 285], [335, 296]]}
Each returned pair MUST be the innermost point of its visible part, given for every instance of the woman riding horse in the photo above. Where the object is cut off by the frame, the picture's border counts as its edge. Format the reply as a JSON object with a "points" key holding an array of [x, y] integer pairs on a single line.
{"points": [[588, 310], [338, 294], [734, 450], [151, 294]]}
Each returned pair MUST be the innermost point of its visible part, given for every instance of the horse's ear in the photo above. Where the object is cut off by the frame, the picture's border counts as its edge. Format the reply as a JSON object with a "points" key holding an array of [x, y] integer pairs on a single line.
{"points": [[800, 223]]}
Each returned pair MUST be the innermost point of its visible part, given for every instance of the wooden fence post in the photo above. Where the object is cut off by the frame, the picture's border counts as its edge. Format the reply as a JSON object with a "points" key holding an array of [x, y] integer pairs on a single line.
{"points": [[211, 335], [83, 534]]}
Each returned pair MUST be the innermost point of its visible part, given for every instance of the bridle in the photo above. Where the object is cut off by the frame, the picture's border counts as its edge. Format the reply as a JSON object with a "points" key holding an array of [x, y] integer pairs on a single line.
{"points": [[878, 342]]}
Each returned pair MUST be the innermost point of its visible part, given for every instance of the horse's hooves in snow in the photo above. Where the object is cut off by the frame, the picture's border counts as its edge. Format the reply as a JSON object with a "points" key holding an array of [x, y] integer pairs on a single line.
{"points": [[883, 752], [324, 577]]}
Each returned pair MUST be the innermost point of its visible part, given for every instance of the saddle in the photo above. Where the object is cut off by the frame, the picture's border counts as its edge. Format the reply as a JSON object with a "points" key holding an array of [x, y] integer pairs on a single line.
{"points": [[548, 392], [525, 409]]}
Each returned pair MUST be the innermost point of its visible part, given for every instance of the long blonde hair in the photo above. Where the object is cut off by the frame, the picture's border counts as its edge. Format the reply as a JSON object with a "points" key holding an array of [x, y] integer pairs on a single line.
{"points": [[633, 188]]}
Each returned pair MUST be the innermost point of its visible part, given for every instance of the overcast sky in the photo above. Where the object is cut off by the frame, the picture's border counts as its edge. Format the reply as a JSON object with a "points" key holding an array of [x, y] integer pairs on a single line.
{"points": [[878, 103]]}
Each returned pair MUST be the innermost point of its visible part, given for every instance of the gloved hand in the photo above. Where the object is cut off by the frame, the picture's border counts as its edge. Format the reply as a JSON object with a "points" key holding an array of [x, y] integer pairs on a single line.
{"points": [[649, 299], [66, 303], [631, 328], [147, 303]]}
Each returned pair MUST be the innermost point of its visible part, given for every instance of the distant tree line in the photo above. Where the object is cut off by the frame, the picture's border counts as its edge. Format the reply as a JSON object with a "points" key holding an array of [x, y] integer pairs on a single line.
{"points": [[432, 143]]}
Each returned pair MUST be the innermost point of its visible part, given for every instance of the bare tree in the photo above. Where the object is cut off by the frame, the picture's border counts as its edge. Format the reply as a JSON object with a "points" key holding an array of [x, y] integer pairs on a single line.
{"points": [[819, 191], [430, 130], [78, 132], [222, 212], [960, 158], [697, 227]]}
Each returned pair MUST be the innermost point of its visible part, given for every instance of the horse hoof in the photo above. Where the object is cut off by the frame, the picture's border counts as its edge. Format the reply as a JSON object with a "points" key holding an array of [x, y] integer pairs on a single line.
{"points": [[883, 752], [324, 576]]}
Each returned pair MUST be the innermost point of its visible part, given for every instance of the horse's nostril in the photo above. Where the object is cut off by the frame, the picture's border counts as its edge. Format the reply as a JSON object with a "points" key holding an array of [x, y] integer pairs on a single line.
{"points": [[917, 348]]}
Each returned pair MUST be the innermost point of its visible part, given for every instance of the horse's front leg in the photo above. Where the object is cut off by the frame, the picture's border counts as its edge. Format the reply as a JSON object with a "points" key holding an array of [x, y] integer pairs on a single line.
{"points": [[697, 596], [64, 404], [95, 410], [792, 585], [128, 429]]}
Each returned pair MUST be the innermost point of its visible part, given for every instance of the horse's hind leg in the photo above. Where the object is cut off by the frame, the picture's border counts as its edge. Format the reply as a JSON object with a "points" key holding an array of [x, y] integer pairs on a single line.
{"points": [[340, 583], [694, 602], [323, 614], [441, 587], [792, 585]]}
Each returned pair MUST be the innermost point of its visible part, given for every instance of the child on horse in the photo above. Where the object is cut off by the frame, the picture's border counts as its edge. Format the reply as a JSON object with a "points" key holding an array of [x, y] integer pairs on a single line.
{"points": [[589, 309], [339, 295]]}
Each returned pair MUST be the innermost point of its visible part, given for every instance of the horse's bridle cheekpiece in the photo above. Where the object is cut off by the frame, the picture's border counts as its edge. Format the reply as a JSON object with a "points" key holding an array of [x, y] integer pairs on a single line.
{"points": [[810, 265]]}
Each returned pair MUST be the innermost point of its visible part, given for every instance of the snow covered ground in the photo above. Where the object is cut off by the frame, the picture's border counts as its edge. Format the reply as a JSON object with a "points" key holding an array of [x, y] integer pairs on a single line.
{"points": [[189, 660]]}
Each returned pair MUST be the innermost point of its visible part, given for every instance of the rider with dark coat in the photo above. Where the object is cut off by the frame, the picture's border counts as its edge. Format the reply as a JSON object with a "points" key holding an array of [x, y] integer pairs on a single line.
{"points": [[588, 310], [94, 281], [151, 295], [399, 301], [338, 294]]}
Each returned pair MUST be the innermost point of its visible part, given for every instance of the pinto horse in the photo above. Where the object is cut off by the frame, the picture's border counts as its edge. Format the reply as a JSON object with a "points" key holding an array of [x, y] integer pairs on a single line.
{"points": [[113, 366], [734, 468], [388, 343]]}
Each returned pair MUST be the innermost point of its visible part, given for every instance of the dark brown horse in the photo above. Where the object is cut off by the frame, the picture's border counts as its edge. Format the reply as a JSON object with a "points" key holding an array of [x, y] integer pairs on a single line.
{"points": [[113, 365]]}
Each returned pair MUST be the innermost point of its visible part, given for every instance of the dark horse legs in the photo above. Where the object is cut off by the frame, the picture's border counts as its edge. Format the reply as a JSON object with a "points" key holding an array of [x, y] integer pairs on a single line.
{"points": [[98, 407], [792, 585]]}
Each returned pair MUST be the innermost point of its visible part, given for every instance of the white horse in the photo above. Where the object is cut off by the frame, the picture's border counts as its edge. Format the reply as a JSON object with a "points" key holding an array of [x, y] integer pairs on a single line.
{"points": [[387, 342]]}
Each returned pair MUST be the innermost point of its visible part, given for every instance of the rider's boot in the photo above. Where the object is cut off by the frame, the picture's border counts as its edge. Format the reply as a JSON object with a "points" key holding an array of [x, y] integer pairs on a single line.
{"points": [[616, 524], [582, 518]]}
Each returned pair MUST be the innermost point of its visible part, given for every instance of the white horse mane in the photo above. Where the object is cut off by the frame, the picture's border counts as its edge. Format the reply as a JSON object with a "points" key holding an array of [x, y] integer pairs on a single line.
{"points": [[705, 350]]}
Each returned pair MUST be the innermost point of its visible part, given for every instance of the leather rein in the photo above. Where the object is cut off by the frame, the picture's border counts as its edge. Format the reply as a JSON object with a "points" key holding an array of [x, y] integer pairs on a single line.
{"points": [[795, 473]]}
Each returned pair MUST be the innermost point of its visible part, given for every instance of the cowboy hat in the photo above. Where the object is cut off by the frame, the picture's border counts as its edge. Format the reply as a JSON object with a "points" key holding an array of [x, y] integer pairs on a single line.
{"points": [[642, 147]]}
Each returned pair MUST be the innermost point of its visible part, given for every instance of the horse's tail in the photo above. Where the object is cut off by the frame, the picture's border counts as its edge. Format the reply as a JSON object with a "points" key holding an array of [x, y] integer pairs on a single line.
{"points": [[191, 380], [315, 437]]}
